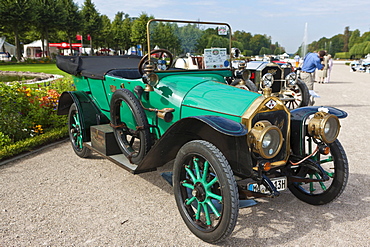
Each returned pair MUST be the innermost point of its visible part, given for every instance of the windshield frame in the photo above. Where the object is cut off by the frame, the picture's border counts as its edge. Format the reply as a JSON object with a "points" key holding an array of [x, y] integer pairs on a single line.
{"points": [[230, 57]]}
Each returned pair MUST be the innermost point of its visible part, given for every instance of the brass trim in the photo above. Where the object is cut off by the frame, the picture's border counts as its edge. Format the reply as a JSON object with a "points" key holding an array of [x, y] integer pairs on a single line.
{"points": [[190, 22], [259, 106]]}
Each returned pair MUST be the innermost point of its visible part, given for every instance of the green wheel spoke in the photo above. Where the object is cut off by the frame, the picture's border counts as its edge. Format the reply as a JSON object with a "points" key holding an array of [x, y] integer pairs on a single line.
{"points": [[330, 159], [196, 167], [209, 185], [75, 118], [190, 200], [330, 174], [207, 214], [199, 210], [186, 185], [213, 208], [214, 196], [321, 183], [205, 170], [312, 189], [190, 173], [79, 141]]}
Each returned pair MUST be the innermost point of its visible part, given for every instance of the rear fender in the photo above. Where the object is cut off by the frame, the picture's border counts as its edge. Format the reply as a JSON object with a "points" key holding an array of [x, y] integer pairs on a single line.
{"points": [[225, 134], [88, 111], [299, 128]]}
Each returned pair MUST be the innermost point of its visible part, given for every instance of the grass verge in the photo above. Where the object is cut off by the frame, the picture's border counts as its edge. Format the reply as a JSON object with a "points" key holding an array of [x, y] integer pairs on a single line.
{"points": [[40, 68]]}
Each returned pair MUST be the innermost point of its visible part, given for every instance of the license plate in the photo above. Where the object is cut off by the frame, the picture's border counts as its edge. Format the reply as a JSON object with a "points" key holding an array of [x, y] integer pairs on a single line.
{"points": [[280, 183]]}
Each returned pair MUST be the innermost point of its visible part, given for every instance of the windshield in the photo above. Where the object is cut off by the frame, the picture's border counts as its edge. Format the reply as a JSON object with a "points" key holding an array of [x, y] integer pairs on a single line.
{"points": [[193, 45]]}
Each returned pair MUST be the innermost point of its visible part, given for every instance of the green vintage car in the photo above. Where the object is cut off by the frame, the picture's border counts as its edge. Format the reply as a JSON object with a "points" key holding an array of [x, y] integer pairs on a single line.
{"points": [[228, 145]]}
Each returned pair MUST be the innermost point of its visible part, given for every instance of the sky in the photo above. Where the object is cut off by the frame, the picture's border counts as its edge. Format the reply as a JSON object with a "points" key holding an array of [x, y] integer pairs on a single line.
{"points": [[287, 22]]}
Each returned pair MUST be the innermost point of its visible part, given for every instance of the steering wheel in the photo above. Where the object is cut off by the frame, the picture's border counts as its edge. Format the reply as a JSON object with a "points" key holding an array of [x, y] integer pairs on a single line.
{"points": [[157, 57]]}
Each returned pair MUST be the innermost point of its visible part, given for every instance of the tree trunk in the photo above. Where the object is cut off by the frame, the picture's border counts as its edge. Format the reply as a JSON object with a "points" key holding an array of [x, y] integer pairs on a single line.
{"points": [[17, 44]]}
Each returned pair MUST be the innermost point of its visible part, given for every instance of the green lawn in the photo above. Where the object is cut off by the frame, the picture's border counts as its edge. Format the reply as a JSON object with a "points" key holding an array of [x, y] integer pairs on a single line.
{"points": [[45, 68]]}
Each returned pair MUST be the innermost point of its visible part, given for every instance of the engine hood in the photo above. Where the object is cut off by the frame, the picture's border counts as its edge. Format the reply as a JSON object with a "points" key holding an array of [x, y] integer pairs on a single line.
{"points": [[216, 97]]}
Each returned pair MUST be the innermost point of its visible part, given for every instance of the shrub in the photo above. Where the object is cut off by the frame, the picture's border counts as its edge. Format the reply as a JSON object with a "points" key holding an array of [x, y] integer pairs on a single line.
{"points": [[30, 143], [30, 110]]}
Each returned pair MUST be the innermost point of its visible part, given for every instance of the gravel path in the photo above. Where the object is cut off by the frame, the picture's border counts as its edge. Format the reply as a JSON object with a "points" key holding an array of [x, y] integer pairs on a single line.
{"points": [[54, 198]]}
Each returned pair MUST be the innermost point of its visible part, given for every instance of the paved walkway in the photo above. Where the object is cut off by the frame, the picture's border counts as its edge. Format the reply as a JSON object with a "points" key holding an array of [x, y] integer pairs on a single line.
{"points": [[54, 198]]}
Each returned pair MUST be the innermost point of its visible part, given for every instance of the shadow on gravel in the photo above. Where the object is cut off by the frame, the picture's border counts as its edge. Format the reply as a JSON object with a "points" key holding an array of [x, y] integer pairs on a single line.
{"points": [[349, 105], [339, 82], [277, 221]]}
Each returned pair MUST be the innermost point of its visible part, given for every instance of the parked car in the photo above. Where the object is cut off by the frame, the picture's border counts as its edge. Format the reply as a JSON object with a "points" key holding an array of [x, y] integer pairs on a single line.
{"points": [[286, 85], [228, 144]]}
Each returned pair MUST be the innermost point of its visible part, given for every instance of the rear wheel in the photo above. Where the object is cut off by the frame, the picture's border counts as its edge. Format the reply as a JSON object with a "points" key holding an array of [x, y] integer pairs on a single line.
{"points": [[205, 191], [335, 165], [75, 132], [130, 125]]}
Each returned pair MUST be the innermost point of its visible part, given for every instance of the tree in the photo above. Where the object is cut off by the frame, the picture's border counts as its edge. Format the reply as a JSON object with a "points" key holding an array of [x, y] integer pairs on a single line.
{"points": [[258, 41], [92, 22], [104, 39], [138, 31], [347, 34], [244, 38], [337, 44], [121, 31], [15, 18], [49, 16], [73, 21], [264, 50], [354, 39], [189, 36], [164, 37]]}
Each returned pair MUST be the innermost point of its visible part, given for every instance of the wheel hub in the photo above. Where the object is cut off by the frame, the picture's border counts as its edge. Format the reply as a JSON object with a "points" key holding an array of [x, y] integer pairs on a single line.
{"points": [[199, 192]]}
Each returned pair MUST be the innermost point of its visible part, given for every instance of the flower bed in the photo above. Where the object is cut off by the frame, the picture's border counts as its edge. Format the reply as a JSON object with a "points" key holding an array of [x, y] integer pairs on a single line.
{"points": [[28, 111]]}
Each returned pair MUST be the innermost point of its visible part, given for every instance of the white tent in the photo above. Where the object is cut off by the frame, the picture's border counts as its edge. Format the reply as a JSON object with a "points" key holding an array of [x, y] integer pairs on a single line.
{"points": [[6, 47], [34, 49]]}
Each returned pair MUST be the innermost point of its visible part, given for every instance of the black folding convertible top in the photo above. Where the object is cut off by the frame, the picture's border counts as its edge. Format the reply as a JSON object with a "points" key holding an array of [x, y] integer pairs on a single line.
{"points": [[96, 66]]}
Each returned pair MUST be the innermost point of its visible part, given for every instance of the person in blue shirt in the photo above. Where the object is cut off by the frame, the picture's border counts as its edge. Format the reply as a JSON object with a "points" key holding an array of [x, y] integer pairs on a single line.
{"points": [[311, 62]]}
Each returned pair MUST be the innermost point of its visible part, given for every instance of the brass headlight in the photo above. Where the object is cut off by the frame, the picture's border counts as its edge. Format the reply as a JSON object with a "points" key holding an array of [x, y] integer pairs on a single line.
{"points": [[151, 79], [265, 139], [267, 80], [291, 79], [324, 126], [246, 75]]}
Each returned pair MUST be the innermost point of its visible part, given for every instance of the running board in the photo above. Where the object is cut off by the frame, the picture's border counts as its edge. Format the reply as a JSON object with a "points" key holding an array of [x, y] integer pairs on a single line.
{"points": [[104, 143]]}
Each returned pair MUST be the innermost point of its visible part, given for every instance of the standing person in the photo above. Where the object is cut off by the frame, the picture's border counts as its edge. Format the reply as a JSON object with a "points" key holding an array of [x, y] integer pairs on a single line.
{"points": [[296, 59], [330, 66], [322, 74], [311, 62]]}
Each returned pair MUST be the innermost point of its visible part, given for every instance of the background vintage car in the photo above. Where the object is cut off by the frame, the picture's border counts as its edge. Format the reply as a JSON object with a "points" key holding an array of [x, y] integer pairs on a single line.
{"points": [[286, 85], [228, 144]]}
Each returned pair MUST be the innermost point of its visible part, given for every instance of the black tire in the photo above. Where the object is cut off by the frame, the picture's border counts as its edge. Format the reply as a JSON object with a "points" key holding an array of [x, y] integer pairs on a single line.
{"points": [[336, 166], [132, 134], [197, 204], [249, 85], [300, 95], [75, 132]]}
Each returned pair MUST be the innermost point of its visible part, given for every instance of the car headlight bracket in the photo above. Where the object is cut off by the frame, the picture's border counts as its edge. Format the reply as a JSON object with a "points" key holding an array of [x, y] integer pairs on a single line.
{"points": [[265, 139], [324, 126]]}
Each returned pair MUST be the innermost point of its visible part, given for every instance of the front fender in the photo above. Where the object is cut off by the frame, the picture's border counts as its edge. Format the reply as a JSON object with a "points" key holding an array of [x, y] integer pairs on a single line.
{"points": [[89, 113], [298, 126], [227, 135]]}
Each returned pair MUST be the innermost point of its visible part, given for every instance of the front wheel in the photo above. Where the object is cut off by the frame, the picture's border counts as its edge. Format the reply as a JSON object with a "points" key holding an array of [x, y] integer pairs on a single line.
{"points": [[299, 94], [205, 191], [335, 165], [246, 85]]}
